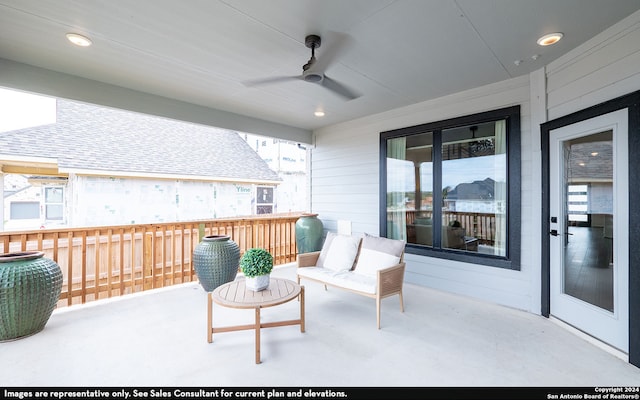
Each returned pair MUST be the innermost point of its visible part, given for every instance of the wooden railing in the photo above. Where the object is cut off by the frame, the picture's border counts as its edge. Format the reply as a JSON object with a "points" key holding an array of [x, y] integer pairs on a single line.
{"points": [[107, 261], [482, 226]]}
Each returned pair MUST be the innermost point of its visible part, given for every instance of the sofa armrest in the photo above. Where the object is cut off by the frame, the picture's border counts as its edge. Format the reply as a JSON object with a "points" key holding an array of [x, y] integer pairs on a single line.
{"points": [[390, 279], [308, 259]]}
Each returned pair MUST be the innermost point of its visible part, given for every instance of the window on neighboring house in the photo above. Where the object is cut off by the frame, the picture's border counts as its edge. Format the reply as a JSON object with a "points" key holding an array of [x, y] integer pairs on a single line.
{"points": [[54, 201], [264, 200], [451, 188], [24, 210]]}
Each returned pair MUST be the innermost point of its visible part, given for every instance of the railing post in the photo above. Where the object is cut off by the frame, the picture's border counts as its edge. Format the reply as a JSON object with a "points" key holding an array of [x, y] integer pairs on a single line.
{"points": [[147, 261], [200, 232]]}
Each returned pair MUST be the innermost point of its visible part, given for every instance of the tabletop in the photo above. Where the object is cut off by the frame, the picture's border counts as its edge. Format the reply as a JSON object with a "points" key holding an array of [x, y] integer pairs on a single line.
{"points": [[235, 295]]}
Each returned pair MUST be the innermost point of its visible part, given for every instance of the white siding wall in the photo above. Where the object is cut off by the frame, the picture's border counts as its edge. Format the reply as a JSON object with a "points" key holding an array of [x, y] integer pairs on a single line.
{"points": [[345, 181], [345, 170], [605, 67]]}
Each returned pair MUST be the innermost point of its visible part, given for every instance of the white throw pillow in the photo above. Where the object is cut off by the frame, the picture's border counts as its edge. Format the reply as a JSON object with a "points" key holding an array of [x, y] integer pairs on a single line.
{"points": [[325, 248], [342, 253], [370, 261]]}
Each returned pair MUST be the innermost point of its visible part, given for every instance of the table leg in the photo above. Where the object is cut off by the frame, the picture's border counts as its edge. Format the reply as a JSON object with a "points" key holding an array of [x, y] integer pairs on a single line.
{"points": [[209, 318], [257, 335], [301, 308]]}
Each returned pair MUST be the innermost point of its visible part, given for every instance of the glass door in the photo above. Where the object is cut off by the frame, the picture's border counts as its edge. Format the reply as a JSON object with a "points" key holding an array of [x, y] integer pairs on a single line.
{"points": [[589, 234]]}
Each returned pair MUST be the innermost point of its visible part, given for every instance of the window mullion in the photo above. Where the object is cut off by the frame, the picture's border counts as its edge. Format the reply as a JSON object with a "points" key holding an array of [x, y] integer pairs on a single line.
{"points": [[437, 189]]}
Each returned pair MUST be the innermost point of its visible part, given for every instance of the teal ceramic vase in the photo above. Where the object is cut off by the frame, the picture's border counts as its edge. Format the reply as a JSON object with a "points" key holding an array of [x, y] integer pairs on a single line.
{"points": [[30, 287], [216, 260], [309, 231]]}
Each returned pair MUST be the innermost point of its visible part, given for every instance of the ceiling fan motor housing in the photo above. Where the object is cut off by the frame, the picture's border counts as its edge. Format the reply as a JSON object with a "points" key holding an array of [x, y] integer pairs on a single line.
{"points": [[313, 77]]}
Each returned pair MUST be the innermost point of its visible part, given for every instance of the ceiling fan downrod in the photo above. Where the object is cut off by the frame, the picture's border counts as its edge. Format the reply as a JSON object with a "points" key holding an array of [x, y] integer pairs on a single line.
{"points": [[312, 42]]}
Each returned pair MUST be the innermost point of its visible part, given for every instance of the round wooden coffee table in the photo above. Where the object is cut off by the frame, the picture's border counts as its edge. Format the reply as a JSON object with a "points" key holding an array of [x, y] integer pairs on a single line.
{"points": [[235, 295]]}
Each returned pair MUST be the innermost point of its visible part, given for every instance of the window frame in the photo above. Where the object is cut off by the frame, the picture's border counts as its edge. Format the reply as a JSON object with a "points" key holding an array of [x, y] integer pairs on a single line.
{"points": [[48, 203], [512, 117]]}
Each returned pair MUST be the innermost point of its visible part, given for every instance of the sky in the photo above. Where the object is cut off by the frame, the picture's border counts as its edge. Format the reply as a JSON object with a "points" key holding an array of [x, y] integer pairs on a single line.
{"points": [[22, 110], [464, 170]]}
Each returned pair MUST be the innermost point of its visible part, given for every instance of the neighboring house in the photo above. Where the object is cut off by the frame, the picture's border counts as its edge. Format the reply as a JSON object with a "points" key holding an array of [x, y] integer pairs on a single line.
{"points": [[289, 160], [476, 196], [101, 166]]}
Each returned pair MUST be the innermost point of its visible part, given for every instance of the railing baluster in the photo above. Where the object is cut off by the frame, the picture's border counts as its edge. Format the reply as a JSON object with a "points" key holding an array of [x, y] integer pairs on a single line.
{"points": [[147, 256]]}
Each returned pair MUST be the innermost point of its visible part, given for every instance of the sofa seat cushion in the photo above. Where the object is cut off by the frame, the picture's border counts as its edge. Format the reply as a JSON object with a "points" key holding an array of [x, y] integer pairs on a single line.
{"points": [[344, 279]]}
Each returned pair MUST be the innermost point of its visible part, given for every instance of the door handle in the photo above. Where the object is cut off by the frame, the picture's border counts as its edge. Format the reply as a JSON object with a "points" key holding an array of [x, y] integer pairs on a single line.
{"points": [[554, 232]]}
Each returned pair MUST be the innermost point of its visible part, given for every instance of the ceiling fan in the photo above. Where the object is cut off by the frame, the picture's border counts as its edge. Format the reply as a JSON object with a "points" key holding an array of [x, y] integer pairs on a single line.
{"points": [[313, 70]]}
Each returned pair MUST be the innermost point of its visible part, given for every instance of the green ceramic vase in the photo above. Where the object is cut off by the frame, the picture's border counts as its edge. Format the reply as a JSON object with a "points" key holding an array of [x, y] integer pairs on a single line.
{"points": [[309, 231], [30, 286], [216, 260]]}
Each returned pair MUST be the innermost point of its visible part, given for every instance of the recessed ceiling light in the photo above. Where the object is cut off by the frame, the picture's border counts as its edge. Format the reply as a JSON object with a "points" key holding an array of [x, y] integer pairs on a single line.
{"points": [[79, 40], [550, 39], [319, 113], [595, 153]]}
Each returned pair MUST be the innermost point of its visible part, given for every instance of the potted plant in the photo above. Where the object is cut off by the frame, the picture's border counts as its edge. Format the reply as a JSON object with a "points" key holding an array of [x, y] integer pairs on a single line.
{"points": [[256, 265]]}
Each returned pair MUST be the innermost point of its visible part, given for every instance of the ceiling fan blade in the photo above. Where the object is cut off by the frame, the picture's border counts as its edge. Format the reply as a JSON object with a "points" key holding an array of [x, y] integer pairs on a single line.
{"points": [[339, 88], [269, 81], [336, 43]]}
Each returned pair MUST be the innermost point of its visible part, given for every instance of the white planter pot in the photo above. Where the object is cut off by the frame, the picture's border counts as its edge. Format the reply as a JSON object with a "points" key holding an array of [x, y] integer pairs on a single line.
{"points": [[258, 283]]}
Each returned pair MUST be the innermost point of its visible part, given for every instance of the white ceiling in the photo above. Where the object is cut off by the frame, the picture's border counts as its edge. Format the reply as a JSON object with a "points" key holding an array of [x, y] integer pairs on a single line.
{"points": [[201, 51]]}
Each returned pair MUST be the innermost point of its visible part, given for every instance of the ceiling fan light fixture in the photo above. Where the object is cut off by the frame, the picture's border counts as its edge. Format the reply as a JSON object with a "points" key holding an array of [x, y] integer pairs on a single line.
{"points": [[549, 39], [78, 39]]}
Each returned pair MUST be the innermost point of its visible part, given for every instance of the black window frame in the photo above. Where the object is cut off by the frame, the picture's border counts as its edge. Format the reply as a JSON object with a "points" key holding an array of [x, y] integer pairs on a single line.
{"points": [[512, 117]]}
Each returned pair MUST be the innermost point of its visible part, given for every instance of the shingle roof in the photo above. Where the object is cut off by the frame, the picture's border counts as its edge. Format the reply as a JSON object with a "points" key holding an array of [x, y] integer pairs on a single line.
{"points": [[87, 137]]}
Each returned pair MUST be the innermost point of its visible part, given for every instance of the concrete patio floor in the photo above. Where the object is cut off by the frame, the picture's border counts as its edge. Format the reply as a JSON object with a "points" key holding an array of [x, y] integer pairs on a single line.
{"points": [[159, 338]]}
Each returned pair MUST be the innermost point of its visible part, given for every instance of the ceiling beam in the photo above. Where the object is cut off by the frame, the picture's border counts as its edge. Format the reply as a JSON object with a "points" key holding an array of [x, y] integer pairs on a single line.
{"points": [[56, 84]]}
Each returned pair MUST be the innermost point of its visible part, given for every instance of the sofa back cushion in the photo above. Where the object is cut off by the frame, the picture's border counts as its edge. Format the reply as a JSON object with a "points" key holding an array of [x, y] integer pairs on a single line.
{"points": [[377, 253], [338, 252]]}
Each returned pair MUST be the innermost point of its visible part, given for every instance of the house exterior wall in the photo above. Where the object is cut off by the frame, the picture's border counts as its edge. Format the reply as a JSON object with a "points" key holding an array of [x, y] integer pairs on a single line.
{"points": [[99, 201], [345, 158], [114, 200], [345, 164], [603, 68], [289, 160], [19, 189], [96, 201]]}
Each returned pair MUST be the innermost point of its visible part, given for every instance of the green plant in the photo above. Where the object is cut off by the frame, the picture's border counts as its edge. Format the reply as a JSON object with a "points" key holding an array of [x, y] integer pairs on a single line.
{"points": [[255, 262]]}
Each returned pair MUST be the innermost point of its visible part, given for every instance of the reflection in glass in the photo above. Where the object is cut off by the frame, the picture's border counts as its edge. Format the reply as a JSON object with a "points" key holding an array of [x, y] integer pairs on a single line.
{"points": [[409, 187], [474, 189], [588, 216], [471, 190]]}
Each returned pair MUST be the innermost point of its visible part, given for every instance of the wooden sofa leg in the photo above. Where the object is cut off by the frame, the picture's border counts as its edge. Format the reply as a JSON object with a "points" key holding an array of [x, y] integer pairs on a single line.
{"points": [[401, 302]]}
